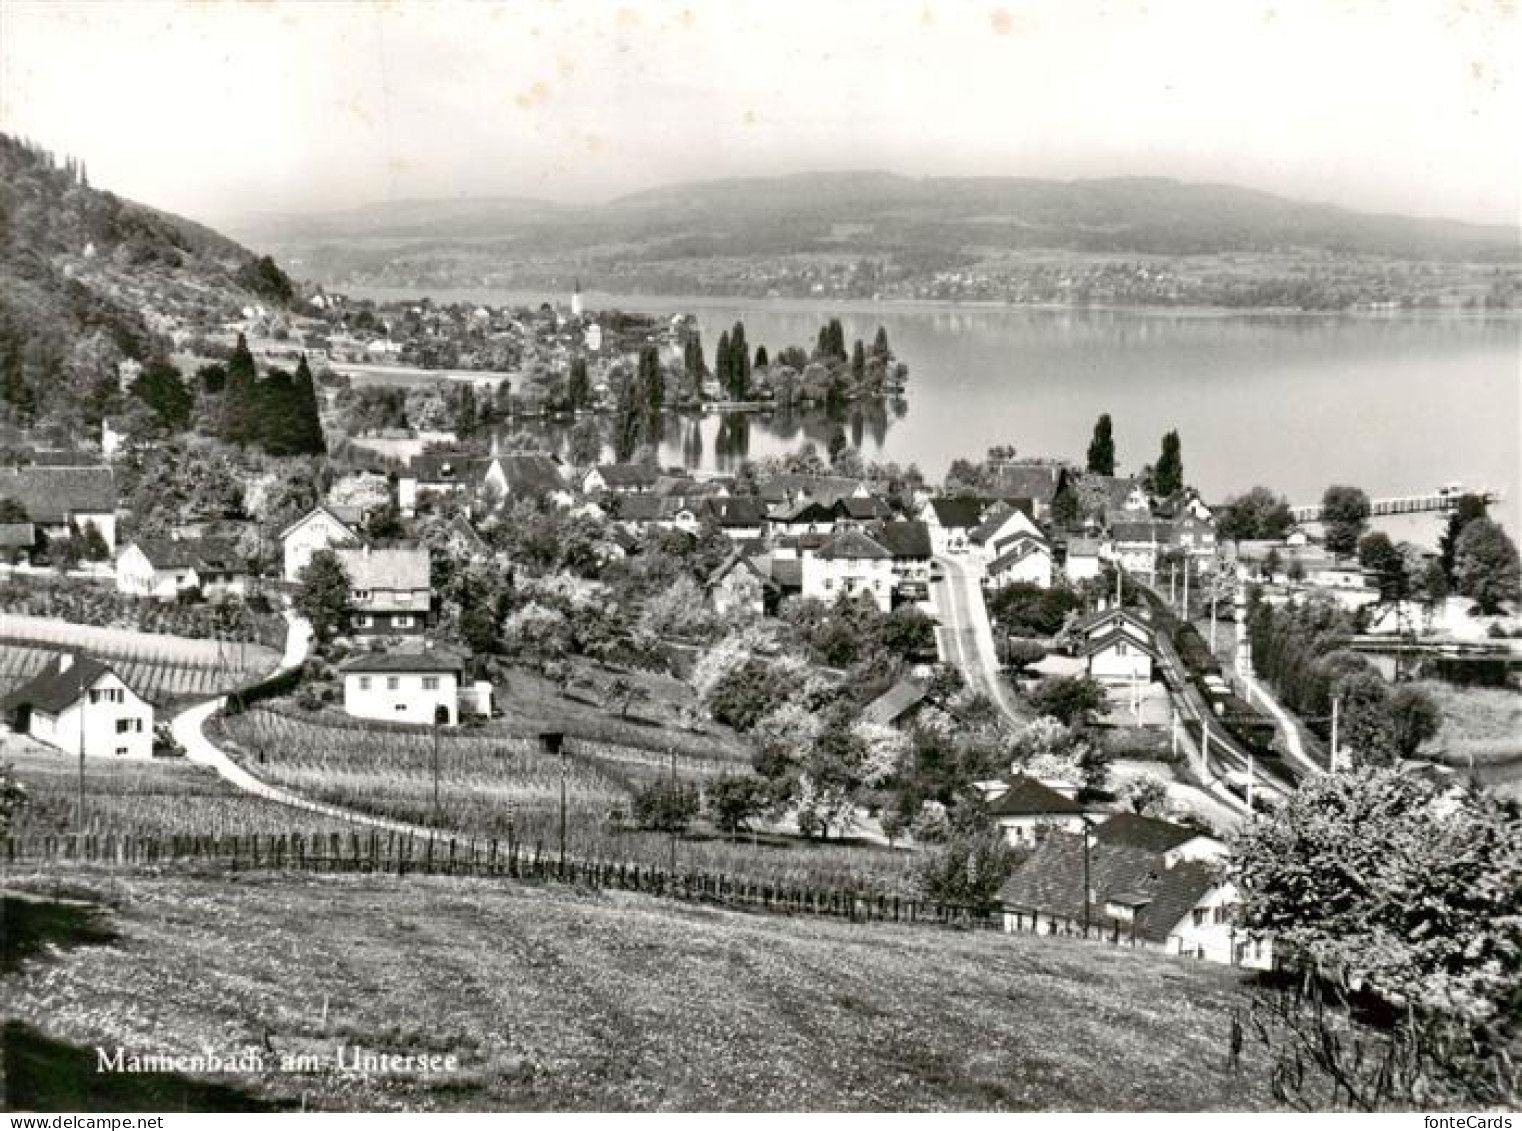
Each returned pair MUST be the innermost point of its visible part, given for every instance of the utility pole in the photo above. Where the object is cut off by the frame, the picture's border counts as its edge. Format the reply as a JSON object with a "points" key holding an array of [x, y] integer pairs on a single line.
{"points": [[1186, 589], [673, 803], [1173, 731], [1212, 614], [1335, 703], [437, 821]]}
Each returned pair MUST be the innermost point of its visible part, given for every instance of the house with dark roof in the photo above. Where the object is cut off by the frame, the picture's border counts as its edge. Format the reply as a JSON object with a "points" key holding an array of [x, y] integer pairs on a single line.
{"points": [[1118, 644], [1137, 544], [525, 475], [1001, 525], [390, 589], [324, 527], [79, 703], [438, 473], [1026, 808], [166, 567], [1132, 897], [740, 517], [908, 540], [1176, 843], [408, 687], [61, 500], [850, 564], [951, 521], [1037, 481]]}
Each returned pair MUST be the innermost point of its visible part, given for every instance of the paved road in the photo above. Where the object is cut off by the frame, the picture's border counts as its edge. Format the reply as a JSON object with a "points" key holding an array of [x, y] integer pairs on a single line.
{"points": [[966, 636]]}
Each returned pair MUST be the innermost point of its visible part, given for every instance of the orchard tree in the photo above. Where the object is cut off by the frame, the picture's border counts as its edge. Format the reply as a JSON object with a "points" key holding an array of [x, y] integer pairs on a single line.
{"points": [[1345, 513], [1259, 514], [1466, 509]]}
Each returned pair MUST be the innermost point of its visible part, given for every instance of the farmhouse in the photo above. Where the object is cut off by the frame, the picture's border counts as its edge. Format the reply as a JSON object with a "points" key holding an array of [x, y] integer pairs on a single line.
{"points": [[390, 590], [165, 567], [63, 500], [1026, 809], [619, 478], [1133, 897], [740, 519], [415, 687], [909, 543], [951, 522], [1036, 481], [322, 528], [1176, 843], [849, 563], [1002, 526], [79, 693]]}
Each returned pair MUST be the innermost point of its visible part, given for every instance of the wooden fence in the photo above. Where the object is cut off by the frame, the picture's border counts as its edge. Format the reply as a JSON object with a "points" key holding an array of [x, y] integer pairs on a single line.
{"points": [[402, 854]]}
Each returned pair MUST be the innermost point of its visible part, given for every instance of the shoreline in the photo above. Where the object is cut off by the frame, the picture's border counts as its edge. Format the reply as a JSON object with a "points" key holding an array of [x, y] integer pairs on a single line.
{"points": [[663, 303]]}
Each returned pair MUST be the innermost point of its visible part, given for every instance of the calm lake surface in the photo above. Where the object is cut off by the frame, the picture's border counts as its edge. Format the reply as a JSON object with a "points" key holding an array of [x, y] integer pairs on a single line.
{"points": [[1393, 405]]}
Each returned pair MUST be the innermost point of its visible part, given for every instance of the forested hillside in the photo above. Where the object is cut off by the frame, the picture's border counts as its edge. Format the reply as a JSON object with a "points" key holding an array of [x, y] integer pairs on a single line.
{"points": [[92, 280]]}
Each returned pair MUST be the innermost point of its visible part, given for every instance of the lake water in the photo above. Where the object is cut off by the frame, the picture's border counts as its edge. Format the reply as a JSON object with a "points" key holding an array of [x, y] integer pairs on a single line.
{"points": [[1393, 405]]}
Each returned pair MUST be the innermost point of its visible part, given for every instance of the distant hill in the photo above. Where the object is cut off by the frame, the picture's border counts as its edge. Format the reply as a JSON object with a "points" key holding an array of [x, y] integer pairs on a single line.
{"points": [[91, 279], [1140, 215]]}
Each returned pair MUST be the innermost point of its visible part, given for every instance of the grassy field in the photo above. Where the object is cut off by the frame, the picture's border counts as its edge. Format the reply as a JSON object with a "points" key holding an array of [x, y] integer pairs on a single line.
{"points": [[1485, 721], [499, 785], [556, 999], [133, 796]]}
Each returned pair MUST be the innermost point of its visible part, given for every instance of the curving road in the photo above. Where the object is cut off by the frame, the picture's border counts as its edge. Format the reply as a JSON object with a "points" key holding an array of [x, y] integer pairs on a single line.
{"points": [[966, 637], [188, 730]]}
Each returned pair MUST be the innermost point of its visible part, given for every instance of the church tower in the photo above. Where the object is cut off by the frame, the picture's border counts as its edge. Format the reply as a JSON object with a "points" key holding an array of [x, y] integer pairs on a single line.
{"points": [[576, 300]]}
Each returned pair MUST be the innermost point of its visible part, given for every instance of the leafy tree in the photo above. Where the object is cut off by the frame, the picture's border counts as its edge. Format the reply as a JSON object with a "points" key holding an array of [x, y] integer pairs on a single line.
{"points": [[1368, 730], [1345, 513], [666, 806], [1414, 717], [762, 361], [1377, 880], [161, 388], [624, 693], [265, 279], [1485, 565], [1101, 459], [1466, 509], [578, 392], [13, 797], [969, 869], [1066, 509], [734, 802], [1022, 653], [240, 414], [584, 445], [323, 595], [1147, 794], [537, 632], [1168, 475], [1381, 557], [1071, 700], [1259, 514]]}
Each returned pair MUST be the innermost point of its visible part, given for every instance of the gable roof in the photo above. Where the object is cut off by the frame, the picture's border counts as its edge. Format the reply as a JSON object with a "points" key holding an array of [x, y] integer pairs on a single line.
{"points": [[852, 545], [54, 494], [530, 474], [1051, 883], [626, 474], [393, 661], [1136, 831], [787, 573], [996, 517], [1038, 482], [736, 510], [893, 704], [737, 560], [1020, 548], [1160, 531], [1096, 644], [1083, 548], [336, 513], [1117, 489], [905, 539], [1125, 614], [54, 689], [447, 467], [1030, 797], [963, 512], [211, 554], [394, 567]]}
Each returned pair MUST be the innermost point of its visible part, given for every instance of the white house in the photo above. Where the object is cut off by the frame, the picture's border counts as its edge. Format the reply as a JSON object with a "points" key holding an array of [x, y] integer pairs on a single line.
{"points": [[74, 693], [739, 584], [403, 687], [1003, 525], [165, 567], [1130, 896], [1024, 558], [951, 522], [1027, 809], [1084, 556], [853, 564], [1118, 657], [322, 528]]}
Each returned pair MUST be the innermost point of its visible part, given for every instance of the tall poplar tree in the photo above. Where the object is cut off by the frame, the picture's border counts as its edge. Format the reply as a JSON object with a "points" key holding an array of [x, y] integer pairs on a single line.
{"points": [[1102, 448]]}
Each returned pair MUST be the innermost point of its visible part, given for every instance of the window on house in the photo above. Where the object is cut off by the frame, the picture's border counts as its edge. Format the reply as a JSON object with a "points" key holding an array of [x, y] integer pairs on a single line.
{"points": [[393, 682], [364, 621], [1199, 916], [402, 622], [430, 683], [123, 726], [1223, 914], [364, 683], [121, 751]]}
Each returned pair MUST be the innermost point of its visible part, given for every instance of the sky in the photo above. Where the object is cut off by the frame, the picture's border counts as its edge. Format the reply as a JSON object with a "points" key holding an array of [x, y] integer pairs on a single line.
{"points": [[223, 110]]}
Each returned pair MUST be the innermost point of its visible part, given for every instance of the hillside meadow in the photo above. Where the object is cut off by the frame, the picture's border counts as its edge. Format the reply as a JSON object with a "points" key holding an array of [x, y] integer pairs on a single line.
{"points": [[563, 999]]}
